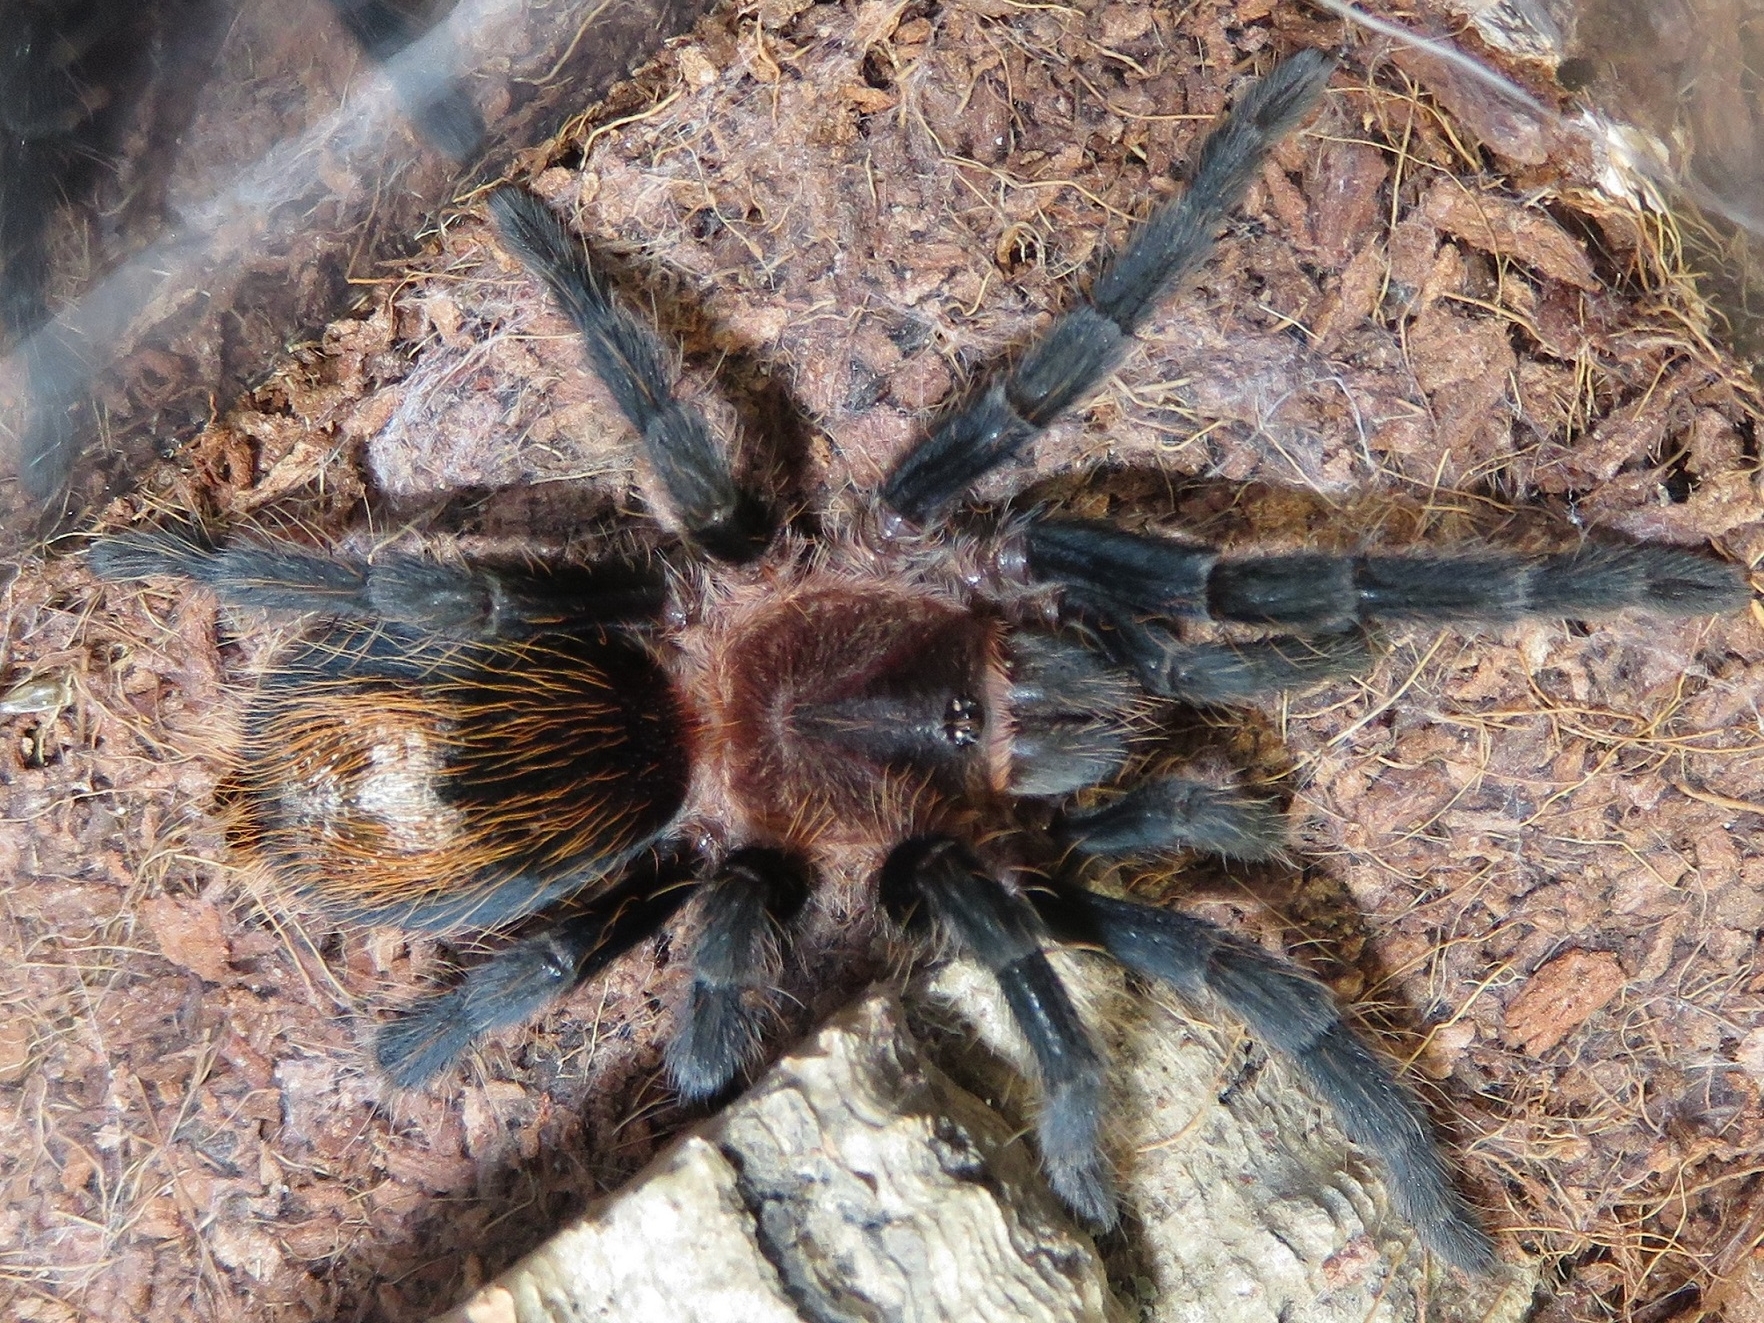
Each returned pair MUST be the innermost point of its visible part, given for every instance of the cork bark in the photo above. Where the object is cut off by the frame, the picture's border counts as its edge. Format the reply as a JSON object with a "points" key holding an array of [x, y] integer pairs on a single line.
{"points": [[858, 1181]]}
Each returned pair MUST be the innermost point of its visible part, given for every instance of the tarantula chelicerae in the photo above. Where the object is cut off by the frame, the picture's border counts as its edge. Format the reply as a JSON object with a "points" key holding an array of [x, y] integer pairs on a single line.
{"points": [[464, 746]]}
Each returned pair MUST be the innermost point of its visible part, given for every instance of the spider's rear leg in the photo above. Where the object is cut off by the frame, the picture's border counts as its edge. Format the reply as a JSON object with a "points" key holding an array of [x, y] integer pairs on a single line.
{"points": [[724, 518], [456, 601], [517, 984], [1296, 1016], [1068, 363], [936, 879], [754, 893]]}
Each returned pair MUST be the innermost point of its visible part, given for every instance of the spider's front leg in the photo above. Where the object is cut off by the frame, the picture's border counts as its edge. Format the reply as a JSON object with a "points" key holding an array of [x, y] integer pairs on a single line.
{"points": [[937, 880], [1125, 586], [720, 515], [1068, 363]]}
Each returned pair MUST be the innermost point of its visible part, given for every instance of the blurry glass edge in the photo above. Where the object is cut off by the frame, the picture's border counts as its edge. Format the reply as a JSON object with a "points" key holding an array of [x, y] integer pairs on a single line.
{"points": [[64, 356], [52, 375], [1721, 219]]}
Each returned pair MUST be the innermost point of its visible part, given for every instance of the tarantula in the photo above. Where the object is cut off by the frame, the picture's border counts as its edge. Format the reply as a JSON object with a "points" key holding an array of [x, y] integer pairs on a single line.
{"points": [[926, 686]]}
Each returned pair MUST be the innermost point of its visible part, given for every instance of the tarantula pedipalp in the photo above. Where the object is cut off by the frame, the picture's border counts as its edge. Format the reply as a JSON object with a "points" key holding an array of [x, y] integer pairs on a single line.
{"points": [[920, 691]]}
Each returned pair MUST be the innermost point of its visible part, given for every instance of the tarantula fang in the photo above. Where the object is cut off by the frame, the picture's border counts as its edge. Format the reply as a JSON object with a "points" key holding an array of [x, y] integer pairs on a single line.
{"points": [[460, 746]]}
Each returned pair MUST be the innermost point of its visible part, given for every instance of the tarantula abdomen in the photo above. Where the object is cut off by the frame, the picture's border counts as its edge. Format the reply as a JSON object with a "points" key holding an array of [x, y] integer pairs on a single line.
{"points": [[393, 778]]}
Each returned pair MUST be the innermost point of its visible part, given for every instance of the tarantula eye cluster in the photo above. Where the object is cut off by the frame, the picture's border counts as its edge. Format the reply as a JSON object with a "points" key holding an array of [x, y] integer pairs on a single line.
{"points": [[460, 747]]}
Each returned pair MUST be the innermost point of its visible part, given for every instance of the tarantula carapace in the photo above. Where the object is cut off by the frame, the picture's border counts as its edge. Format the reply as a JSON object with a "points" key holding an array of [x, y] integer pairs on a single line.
{"points": [[951, 696]]}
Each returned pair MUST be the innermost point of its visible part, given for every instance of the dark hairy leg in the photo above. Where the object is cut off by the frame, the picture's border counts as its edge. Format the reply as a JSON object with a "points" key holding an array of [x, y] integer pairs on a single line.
{"points": [[1071, 360], [754, 893], [1128, 573], [937, 880], [1213, 673], [727, 521], [1296, 1016], [517, 984], [461, 602], [1171, 813]]}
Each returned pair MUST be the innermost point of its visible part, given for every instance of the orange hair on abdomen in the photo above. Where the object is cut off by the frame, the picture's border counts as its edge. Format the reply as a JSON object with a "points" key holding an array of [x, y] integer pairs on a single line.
{"points": [[397, 779]]}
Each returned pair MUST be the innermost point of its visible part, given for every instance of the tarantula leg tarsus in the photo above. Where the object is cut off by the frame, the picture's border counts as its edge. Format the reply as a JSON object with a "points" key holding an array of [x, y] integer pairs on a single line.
{"points": [[936, 879], [1178, 236], [517, 984], [754, 893], [1319, 593], [1296, 1016], [725, 519], [1085, 344], [1172, 813], [462, 602]]}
